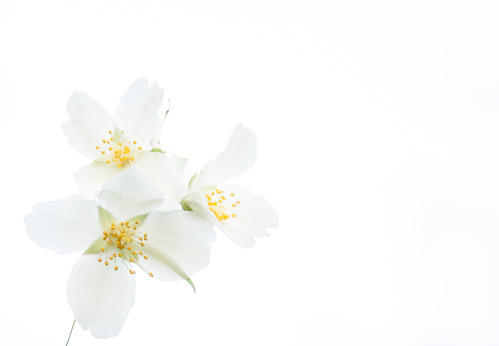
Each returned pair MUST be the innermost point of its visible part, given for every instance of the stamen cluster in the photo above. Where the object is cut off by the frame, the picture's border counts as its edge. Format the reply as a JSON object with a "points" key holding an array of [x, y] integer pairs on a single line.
{"points": [[220, 205], [120, 152], [125, 240]]}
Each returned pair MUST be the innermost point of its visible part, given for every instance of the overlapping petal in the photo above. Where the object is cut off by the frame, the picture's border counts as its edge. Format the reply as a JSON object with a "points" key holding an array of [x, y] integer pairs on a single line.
{"points": [[90, 178], [165, 174], [64, 226], [178, 245], [130, 194], [100, 296]]}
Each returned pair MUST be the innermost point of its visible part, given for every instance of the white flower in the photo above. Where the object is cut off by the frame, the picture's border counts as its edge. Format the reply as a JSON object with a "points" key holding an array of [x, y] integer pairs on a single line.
{"points": [[239, 213], [118, 233], [130, 138]]}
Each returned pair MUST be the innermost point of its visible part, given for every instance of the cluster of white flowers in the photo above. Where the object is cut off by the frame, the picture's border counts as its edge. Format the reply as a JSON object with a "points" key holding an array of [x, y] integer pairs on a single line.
{"points": [[136, 209]]}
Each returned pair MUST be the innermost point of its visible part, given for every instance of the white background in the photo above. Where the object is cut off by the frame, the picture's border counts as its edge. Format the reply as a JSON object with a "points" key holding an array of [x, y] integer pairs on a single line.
{"points": [[378, 129]]}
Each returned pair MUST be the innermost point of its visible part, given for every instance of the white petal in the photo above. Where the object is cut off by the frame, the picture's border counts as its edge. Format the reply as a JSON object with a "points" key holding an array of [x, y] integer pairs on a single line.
{"points": [[100, 296], [137, 113], [130, 193], [236, 159], [196, 200], [253, 216], [91, 178], [178, 244], [165, 174], [64, 226], [180, 162], [89, 124]]}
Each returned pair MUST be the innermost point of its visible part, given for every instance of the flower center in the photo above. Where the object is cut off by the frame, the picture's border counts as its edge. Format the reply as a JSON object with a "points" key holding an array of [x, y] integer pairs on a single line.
{"points": [[222, 205], [123, 242], [118, 150]]}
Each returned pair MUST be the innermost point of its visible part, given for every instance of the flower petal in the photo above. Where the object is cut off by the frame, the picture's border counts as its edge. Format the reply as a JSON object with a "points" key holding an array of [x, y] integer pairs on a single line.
{"points": [[253, 216], [165, 174], [64, 226], [237, 158], [137, 113], [130, 193], [100, 296], [91, 178], [178, 245], [89, 124]]}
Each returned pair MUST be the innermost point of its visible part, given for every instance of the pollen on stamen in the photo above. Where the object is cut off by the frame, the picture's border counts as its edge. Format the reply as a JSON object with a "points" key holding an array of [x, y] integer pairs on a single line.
{"points": [[102, 249], [100, 259], [145, 257], [151, 274], [106, 263], [115, 268]]}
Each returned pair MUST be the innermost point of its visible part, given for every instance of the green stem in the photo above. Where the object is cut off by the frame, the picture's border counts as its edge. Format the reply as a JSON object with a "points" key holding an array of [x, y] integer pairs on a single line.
{"points": [[163, 122], [71, 332]]}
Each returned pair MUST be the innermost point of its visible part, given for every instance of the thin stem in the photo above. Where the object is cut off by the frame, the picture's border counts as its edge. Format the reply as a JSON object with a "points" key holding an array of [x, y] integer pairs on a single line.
{"points": [[164, 118], [71, 332]]}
